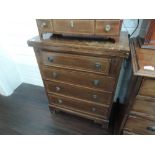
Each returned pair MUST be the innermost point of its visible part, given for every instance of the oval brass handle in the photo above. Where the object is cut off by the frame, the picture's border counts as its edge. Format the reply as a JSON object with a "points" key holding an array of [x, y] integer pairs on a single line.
{"points": [[43, 25], [93, 109], [71, 24], [57, 88], [151, 128], [98, 65], [107, 28], [59, 101], [54, 75], [94, 96], [50, 59], [96, 82]]}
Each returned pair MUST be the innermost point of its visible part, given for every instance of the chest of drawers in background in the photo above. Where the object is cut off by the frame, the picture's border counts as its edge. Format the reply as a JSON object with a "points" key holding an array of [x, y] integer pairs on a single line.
{"points": [[80, 76], [74, 27], [140, 113]]}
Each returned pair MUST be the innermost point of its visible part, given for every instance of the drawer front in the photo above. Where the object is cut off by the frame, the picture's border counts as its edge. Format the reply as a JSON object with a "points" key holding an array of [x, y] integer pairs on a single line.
{"points": [[88, 63], [79, 78], [79, 92], [148, 88], [140, 126], [45, 25], [82, 106], [107, 27], [146, 106], [73, 26]]}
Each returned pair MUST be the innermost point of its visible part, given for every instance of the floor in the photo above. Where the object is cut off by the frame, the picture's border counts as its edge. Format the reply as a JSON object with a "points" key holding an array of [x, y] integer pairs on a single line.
{"points": [[26, 112]]}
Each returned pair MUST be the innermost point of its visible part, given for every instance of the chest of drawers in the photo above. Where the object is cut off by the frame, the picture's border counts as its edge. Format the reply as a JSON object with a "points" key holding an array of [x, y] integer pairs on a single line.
{"points": [[140, 112], [80, 76], [81, 27]]}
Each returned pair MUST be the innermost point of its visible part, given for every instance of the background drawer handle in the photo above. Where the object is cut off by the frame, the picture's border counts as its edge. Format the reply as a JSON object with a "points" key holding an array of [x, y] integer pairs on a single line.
{"points": [[107, 28], [43, 25], [98, 65], [96, 82], [59, 101], [151, 128], [93, 109], [50, 59], [94, 96], [57, 88], [54, 75], [71, 24]]}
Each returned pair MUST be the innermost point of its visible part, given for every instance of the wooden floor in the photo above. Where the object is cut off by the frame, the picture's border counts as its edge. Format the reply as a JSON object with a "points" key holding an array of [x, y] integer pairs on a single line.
{"points": [[26, 112]]}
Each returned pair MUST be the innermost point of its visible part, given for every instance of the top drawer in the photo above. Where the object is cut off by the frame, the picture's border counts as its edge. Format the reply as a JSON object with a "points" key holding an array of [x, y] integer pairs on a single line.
{"points": [[73, 26], [87, 63], [108, 27], [45, 25], [148, 88]]}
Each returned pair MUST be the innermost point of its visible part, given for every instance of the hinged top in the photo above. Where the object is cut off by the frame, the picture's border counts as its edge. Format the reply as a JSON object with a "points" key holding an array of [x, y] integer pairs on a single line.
{"points": [[143, 60], [85, 47]]}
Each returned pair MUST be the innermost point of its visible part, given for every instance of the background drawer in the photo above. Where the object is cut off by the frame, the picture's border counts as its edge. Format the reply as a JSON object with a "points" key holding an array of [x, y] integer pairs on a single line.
{"points": [[107, 27], [45, 25], [143, 105], [80, 105], [140, 126], [68, 26], [148, 88], [76, 62], [79, 92], [79, 78]]}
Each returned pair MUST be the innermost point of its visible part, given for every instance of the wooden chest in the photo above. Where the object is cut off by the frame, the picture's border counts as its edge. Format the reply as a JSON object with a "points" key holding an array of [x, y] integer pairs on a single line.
{"points": [[81, 27], [140, 113], [80, 76]]}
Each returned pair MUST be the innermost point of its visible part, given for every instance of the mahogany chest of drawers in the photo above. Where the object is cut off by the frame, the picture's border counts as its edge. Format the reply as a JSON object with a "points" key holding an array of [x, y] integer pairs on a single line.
{"points": [[140, 111], [80, 76]]}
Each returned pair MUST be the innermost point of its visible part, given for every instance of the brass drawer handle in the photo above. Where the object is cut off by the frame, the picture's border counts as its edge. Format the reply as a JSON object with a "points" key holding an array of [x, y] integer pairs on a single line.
{"points": [[94, 109], [50, 59], [57, 88], [54, 75], [94, 96], [60, 101], [43, 25], [96, 82], [151, 128], [107, 28], [98, 65]]}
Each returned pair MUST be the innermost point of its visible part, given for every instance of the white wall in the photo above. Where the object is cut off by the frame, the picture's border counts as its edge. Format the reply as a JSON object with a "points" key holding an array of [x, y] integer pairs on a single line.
{"points": [[14, 36]]}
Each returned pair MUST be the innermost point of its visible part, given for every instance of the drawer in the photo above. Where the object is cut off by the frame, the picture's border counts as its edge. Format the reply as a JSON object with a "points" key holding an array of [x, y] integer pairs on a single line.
{"points": [[88, 63], [108, 27], [143, 105], [148, 88], [79, 78], [140, 125], [79, 92], [68, 26], [45, 25], [83, 106]]}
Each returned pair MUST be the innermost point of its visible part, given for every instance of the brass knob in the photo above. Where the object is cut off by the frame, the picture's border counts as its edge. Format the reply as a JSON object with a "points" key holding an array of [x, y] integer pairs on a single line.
{"points": [[71, 24], [43, 25], [59, 101], [151, 128], [54, 75], [96, 82], [93, 109], [50, 59], [107, 28], [57, 88], [98, 65], [94, 96]]}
